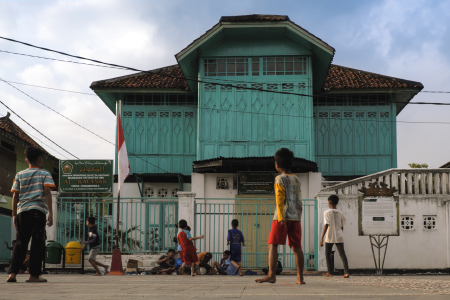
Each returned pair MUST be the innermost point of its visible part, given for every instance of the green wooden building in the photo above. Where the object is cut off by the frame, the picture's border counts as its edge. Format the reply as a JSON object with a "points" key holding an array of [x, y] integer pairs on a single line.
{"points": [[248, 86]]}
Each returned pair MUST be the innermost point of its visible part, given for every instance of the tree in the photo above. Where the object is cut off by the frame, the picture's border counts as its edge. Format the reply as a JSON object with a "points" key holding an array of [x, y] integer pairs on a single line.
{"points": [[418, 166]]}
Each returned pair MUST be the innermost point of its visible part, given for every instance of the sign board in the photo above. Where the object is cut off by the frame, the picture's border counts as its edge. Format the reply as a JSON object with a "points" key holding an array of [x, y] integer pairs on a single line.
{"points": [[86, 176], [378, 215], [256, 183]]}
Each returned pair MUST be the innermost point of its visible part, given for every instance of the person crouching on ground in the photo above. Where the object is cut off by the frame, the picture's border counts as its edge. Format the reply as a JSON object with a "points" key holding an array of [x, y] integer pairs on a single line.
{"points": [[167, 263], [223, 265], [203, 260], [287, 218], [94, 246], [234, 239], [32, 201], [189, 252], [333, 227]]}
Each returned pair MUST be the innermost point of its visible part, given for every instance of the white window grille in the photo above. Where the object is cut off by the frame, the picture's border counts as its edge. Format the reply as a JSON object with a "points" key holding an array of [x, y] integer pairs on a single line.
{"points": [[429, 222], [149, 192], [222, 184], [162, 193], [407, 222], [174, 193]]}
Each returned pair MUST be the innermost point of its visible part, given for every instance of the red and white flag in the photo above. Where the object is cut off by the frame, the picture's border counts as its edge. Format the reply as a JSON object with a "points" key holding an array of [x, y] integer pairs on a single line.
{"points": [[124, 165]]}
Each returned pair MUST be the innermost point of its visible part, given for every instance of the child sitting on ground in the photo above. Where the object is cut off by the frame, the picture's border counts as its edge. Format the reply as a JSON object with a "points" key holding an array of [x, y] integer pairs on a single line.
{"points": [[94, 246], [189, 253], [334, 222], [223, 265], [234, 239]]}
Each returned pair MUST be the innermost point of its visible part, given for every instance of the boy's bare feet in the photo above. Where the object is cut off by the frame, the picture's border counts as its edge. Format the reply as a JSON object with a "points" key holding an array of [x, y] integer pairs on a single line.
{"points": [[327, 275], [97, 274], [106, 270], [300, 280], [11, 278], [346, 276], [266, 279]]}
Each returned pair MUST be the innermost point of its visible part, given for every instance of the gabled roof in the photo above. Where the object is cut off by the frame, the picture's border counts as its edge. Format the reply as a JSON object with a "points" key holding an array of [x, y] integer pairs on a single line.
{"points": [[170, 77], [341, 78], [447, 165], [7, 125]]}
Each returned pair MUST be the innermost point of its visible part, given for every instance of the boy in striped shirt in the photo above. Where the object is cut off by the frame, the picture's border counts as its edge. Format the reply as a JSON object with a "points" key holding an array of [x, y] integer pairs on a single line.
{"points": [[32, 201]]}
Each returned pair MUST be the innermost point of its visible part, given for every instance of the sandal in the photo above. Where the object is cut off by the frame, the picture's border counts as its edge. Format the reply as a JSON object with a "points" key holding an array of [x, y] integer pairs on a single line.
{"points": [[11, 280]]}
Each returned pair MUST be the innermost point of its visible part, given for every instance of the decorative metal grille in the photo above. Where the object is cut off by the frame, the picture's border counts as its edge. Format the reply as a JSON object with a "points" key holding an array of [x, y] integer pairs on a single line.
{"points": [[174, 193], [149, 192], [160, 99], [352, 100], [384, 114], [240, 87], [287, 86], [360, 114], [335, 114], [301, 85], [139, 114], [164, 114], [407, 222], [162, 193], [210, 87], [152, 114], [429, 222], [226, 87], [257, 86], [371, 114], [176, 114], [189, 114], [348, 115], [323, 114], [127, 114], [222, 184], [272, 87]]}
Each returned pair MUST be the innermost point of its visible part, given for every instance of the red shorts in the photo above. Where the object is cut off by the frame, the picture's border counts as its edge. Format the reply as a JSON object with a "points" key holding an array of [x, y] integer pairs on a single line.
{"points": [[181, 255], [292, 229]]}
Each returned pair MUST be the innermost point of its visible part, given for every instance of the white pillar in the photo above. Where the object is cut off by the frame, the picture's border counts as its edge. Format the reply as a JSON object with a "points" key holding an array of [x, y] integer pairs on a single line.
{"points": [[322, 202], [186, 202], [51, 231], [315, 184]]}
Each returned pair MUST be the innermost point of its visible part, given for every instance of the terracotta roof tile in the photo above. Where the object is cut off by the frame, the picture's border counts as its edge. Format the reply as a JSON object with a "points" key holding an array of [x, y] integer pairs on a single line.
{"points": [[7, 125], [171, 77], [339, 78]]}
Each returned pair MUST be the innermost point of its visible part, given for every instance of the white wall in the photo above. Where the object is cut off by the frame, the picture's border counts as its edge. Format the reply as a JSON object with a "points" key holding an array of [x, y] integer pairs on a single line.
{"points": [[131, 189], [415, 249]]}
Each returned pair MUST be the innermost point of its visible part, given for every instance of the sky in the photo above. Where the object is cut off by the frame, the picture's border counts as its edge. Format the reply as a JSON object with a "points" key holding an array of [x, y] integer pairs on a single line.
{"points": [[404, 38]]}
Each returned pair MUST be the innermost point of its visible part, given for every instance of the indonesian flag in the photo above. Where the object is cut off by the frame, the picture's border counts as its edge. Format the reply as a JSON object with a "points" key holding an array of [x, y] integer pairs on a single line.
{"points": [[124, 165]]}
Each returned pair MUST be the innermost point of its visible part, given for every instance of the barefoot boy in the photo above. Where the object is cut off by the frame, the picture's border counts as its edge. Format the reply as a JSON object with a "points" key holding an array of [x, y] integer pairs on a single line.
{"points": [[32, 201], [94, 246], [334, 222], [189, 252], [223, 265], [288, 213], [234, 239]]}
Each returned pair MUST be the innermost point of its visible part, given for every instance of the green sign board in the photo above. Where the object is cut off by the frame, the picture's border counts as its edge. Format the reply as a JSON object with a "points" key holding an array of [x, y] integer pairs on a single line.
{"points": [[86, 176], [256, 183]]}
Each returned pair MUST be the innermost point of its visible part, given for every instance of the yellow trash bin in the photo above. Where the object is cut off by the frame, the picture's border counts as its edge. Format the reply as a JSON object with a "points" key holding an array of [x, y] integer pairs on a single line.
{"points": [[73, 253]]}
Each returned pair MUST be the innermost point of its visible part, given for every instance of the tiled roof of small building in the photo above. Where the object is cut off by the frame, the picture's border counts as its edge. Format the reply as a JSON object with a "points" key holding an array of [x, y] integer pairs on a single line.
{"points": [[254, 18], [8, 126], [339, 78], [170, 77]]}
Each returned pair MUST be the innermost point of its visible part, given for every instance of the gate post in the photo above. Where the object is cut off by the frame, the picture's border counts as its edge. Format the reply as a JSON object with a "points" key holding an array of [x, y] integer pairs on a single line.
{"points": [[52, 231], [186, 203], [322, 203]]}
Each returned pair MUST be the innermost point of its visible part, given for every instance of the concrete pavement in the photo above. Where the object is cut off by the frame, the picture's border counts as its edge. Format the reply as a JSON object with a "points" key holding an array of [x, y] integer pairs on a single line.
{"points": [[222, 287]]}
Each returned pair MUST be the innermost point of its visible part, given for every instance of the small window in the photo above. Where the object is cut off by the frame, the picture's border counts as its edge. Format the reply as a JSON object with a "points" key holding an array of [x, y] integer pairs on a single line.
{"points": [[162, 193], [175, 193], [8, 146], [148, 192], [429, 222], [407, 222], [222, 184]]}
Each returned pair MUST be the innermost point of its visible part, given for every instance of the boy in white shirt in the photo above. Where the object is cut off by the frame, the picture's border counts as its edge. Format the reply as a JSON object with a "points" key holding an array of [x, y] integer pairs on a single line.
{"points": [[334, 222]]}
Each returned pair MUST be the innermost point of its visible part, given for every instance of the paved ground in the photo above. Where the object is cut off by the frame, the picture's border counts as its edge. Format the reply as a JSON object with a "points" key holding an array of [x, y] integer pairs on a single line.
{"points": [[221, 287]]}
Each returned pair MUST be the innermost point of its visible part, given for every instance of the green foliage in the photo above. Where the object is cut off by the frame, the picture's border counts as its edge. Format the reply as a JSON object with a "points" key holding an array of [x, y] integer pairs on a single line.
{"points": [[128, 244], [418, 166]]}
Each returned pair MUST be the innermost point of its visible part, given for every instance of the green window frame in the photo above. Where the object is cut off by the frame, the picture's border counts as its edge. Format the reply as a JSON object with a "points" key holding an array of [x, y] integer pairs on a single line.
{"points": [[160, 99]]}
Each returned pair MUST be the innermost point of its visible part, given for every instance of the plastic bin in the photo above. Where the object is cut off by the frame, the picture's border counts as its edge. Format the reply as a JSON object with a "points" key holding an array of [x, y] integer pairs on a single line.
{"points": [[53, 252], [73, 253]]}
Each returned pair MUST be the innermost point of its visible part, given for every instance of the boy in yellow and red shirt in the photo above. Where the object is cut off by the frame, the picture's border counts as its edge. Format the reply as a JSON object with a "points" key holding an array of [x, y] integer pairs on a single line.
{"points": [[287, 218]]}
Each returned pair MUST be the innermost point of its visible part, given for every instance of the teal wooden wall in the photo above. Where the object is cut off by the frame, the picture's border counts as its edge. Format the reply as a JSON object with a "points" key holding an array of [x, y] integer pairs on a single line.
{"points": [[354, 140], [5, 236], [163, 135]]}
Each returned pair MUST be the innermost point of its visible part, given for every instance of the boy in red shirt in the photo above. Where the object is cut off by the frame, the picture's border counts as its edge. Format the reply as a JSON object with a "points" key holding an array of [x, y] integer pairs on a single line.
{"points": [[188, 254], [287, 218]]}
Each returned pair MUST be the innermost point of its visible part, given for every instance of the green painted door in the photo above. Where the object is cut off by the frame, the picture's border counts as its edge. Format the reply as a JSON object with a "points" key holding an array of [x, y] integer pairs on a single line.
{"points": [[5, 236]]}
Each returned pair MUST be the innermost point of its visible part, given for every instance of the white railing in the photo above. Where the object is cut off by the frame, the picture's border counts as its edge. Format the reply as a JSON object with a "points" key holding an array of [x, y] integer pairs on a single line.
{"points": [[326, 184], [407, 182]]}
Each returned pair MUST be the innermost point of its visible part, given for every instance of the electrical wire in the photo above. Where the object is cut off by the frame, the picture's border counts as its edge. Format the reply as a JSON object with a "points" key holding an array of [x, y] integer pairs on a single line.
{"points": [[49, 88], [36, 129]]}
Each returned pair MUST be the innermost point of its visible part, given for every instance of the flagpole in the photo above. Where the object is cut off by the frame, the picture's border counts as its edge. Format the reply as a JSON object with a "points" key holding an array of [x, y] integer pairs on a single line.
{"points": [[118, 183]]}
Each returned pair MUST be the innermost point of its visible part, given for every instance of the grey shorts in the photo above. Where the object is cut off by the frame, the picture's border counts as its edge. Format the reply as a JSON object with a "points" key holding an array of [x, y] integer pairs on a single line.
{"points": [[93, 253]]}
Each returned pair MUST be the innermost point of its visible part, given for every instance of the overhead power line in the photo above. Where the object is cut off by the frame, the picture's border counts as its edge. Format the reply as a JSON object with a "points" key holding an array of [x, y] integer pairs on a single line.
{"points": [[194, 79], [36, 129], [49, 88]]}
